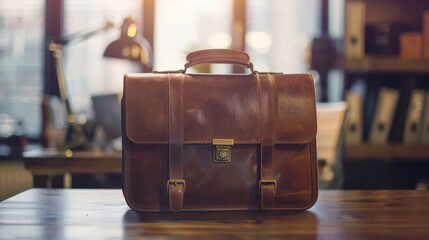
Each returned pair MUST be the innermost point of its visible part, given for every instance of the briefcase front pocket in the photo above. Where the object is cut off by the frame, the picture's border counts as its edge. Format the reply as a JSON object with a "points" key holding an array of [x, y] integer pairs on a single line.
{"points": [[209, 142]]}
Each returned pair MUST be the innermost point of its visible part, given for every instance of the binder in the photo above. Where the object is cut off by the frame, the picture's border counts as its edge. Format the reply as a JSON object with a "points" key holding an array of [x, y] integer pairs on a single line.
{"points": [[355, 29], [383, 116], [406, 86], [413, 122], [424, 137], [354, 123]]}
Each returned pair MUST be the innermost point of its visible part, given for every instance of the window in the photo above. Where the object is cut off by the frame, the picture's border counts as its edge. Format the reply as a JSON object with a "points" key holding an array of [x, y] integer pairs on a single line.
{"points": [[21, 59], [86, 71], [279, 33], [188, 25]]}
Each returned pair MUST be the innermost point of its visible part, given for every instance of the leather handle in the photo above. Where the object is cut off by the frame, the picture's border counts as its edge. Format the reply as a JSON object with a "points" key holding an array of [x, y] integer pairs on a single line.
{"points": [[228, 56]]}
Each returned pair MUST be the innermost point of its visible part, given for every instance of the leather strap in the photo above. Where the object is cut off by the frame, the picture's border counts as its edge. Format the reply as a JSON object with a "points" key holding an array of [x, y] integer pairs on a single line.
{"points": [[228, 56], [176, 184], [267, 183]]}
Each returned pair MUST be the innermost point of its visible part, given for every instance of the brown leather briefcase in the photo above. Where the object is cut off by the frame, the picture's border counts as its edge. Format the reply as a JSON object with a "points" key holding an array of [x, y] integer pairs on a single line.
{"points": [[211, 142]]}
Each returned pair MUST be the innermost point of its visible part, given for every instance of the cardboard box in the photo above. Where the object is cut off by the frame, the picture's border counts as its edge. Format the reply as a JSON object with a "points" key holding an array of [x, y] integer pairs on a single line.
{"points": [[411, 45], [426, 34]]}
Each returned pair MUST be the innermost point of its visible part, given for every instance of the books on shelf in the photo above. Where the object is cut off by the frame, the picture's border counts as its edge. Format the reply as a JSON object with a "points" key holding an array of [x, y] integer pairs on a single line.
{"points": [[354, 119], [424, 137], [415, 114], [355, 29], [413, 121], [383, 116]]}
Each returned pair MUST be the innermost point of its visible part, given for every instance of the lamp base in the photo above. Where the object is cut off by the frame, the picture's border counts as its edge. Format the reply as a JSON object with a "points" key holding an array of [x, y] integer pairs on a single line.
{"points": [[76, 137]]}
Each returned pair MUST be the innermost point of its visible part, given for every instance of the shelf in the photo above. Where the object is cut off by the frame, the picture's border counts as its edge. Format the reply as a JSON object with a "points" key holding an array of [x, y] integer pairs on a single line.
{"points": [[386, 64], [387, 152]]}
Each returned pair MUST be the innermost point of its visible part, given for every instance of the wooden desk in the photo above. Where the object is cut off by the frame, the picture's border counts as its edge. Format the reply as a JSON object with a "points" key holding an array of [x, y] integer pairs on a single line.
{"points": [[95, 214], [53, 162]]}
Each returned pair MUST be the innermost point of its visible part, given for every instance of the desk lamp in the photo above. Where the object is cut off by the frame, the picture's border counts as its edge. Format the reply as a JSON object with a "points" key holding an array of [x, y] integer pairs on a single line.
{"points": [[75, 135], [129, 46]]}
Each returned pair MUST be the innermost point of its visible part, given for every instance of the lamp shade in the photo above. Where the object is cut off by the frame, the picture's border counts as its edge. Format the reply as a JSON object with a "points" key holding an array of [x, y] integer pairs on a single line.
{"points": [[130, 45]]}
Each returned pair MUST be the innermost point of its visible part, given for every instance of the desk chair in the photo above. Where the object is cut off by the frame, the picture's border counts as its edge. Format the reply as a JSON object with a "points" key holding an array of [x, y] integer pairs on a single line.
{"points": [[330, 138]]}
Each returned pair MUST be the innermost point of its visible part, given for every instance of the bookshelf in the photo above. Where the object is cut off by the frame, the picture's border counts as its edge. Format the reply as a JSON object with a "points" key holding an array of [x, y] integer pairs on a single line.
{"points": [[386, 64], [388, 69], [387, 152]]}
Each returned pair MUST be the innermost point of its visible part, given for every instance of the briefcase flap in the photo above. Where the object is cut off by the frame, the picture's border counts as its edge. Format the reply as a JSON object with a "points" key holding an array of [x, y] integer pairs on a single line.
{"points": [[219, 107]]}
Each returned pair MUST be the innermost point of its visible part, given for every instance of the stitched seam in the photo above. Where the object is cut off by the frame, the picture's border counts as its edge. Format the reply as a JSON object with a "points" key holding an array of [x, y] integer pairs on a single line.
{"points": [[235, 142], [314, 175], [273, 126], [169, 129], [260, 127], [223, 209], [181, 129], [313, 103], [209, 142]]}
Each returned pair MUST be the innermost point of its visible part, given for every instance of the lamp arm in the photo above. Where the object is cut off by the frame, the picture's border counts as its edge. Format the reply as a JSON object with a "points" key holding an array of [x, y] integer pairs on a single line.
{"points": [[86, 34], [75, 133], [57, 53]]}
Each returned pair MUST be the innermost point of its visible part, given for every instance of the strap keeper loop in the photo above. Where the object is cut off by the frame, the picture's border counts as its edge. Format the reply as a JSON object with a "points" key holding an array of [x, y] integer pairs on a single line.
{"points": [[175, 182], [266, 183]]}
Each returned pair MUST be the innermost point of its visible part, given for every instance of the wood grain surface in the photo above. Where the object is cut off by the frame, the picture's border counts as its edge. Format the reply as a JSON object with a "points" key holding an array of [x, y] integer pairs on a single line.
{"points": [[103, 214]]}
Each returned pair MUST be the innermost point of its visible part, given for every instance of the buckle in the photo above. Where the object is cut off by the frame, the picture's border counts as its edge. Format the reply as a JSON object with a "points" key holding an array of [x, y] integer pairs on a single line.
{"points": [[266, 183], [175, 182], [222, 150]]}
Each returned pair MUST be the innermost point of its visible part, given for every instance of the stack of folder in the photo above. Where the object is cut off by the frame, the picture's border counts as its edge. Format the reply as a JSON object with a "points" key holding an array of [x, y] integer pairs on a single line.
{"points": [[384, 128]]}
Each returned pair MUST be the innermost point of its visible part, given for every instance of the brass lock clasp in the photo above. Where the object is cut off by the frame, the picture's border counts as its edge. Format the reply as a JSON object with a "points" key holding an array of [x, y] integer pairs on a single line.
{"points": [[222, 150]]}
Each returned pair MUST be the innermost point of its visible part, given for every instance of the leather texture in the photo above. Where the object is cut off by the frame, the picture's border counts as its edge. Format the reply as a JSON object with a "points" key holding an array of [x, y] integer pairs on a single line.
{"points": [[171, 119]]}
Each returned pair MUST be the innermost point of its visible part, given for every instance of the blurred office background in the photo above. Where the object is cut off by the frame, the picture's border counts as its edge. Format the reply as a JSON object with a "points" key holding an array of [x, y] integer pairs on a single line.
{"points": [[293, 36]]}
